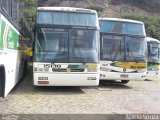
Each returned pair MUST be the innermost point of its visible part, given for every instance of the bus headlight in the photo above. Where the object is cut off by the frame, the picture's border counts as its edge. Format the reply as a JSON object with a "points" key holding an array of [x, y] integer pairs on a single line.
{"points": [[46, 69], [40, 69], [105, 69], [141, 71], [155, 69], [36, 69], [91, 70]]}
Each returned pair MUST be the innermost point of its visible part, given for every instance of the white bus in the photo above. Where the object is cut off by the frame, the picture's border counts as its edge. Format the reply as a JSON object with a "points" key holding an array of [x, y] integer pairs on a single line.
{"points": [[153, 70], [66, 48], [14, 40], [123, 50]]}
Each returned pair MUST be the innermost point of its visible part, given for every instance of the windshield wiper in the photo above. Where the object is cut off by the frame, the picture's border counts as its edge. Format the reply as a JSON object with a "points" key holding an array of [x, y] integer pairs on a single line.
{"points": [[59, 53], [76, 45]]}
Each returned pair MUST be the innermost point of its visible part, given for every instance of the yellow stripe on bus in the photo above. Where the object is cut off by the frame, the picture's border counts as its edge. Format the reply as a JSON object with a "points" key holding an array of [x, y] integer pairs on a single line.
{"points": [[131, 65]]}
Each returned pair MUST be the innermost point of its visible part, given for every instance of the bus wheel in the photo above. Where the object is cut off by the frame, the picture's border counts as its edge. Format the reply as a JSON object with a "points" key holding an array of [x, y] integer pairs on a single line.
{"points": [[124, 81], [102, 81], [2, 80]]}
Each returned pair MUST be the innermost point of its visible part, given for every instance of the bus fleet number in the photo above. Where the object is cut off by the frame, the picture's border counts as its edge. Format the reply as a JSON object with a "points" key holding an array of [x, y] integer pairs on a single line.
{"points": [[52, 66]]}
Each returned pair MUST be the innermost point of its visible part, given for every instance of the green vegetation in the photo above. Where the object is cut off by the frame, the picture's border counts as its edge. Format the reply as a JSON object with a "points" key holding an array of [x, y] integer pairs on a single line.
{"points": [[152, 24], [148, 4], [97, 8], [30, 10]]}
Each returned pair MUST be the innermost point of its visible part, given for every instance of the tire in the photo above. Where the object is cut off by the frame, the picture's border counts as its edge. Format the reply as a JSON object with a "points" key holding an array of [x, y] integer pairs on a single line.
{"points": [[102, 81], [2, 81], [124, 81]]}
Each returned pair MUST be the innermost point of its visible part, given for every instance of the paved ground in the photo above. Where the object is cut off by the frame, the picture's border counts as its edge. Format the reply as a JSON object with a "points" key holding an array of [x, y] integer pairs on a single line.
{"points": [[135, 97]]}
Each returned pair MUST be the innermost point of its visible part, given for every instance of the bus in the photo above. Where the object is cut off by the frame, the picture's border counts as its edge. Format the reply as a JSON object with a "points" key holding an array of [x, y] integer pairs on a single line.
{"points": [[66, 47], [123, 47], [15, 38], [153, 69]]}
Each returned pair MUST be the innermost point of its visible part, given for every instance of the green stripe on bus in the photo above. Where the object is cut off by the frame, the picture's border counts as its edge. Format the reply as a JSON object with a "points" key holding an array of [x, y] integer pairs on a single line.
{"points": [[11, 38]]}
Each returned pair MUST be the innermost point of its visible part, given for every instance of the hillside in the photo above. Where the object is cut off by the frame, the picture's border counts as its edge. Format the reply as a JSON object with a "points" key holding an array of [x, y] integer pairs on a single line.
{"points": [[110, 7]]}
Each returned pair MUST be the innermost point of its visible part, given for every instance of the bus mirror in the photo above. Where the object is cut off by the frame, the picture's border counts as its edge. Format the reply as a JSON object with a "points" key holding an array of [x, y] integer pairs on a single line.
{"points": [[150, 48]]}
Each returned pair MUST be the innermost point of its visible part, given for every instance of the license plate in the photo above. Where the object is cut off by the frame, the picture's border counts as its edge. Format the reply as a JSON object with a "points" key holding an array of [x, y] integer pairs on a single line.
{"points": [[124, 76]]}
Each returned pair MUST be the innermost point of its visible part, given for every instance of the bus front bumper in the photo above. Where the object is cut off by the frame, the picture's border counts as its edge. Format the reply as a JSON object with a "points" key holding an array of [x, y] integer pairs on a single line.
{"points": [[153, 75], [122, 76], [46, 79]]}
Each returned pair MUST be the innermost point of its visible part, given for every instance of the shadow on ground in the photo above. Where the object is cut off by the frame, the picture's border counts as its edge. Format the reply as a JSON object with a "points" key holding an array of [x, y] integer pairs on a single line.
{"points": [[25, 86], [112, 85]]}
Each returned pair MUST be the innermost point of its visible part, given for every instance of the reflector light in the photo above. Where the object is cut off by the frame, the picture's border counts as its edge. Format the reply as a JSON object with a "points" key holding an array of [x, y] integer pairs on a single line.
{"points": [[43, 82]]}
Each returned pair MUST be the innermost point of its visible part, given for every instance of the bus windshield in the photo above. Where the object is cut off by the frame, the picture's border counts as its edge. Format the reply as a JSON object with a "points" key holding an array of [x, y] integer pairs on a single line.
{"points": [[135, 48], [66, 45], [123, 48], [112, 48], [66, 18], [153, 52], [122, 27]]}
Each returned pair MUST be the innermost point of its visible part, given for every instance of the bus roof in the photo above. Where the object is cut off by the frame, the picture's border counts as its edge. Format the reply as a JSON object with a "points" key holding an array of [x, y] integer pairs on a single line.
{"points": [[68, 9], [121, 20], [149, 39]]}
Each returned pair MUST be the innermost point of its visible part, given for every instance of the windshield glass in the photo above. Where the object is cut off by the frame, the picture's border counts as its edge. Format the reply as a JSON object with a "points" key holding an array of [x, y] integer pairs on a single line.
{"points": [[66, 18], [154, 52], [66, 45], [122, 27], [112, 47], [123, 48], [51, 44], [135, 48], [83, 45]]}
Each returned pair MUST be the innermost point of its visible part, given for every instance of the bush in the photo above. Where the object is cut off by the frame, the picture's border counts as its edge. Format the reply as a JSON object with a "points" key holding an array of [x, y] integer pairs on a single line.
{"points": [[96, 8]]}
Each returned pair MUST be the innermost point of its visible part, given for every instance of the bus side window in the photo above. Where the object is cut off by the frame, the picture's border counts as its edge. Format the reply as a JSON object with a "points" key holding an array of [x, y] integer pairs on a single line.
{"points": [[15, 8], [6, 7]]}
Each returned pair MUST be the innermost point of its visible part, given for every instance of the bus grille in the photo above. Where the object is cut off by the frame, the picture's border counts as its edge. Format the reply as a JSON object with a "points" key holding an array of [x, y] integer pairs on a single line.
{"points": [[59, 70], [77, 70], [67, 70]]}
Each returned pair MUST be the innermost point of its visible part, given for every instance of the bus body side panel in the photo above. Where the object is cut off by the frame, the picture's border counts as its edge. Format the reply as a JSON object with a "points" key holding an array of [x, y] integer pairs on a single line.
{"points": [[1, 66], [122, 70], [11, 57]]}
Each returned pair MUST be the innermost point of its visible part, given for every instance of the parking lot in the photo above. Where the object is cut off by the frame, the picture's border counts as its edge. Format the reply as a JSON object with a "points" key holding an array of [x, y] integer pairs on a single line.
{"points": [[111, 98]]}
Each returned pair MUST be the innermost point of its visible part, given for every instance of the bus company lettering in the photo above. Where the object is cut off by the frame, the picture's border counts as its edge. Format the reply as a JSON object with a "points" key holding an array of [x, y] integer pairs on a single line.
{"points": [[138, 67], [10, 39], [52, 66]]}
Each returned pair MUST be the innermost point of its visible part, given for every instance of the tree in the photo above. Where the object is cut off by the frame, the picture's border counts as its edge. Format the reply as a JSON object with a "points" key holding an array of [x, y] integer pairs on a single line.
{"points": [[30, 10]]}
